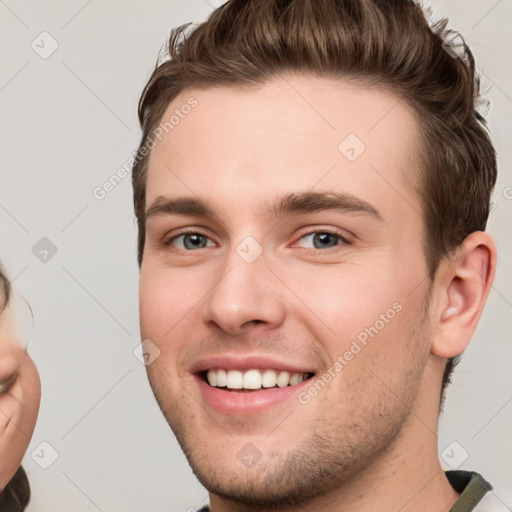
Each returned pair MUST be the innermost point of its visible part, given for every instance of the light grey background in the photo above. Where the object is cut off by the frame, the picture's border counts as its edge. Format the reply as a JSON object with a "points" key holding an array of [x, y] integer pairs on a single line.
{"points": [[68, 123]]}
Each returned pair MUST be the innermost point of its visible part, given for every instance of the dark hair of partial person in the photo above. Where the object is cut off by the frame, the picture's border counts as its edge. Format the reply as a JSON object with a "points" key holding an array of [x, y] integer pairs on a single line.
{"points": [[16, 495], [386, 44], [5, 290]]}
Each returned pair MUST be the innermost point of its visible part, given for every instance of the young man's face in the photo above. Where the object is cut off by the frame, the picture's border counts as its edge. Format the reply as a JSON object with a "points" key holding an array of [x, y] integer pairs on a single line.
{"points": [[297, 289]]}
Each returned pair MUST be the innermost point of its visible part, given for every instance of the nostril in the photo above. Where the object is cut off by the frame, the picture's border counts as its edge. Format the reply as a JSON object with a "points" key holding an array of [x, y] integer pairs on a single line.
{"points": [[254, 322]]}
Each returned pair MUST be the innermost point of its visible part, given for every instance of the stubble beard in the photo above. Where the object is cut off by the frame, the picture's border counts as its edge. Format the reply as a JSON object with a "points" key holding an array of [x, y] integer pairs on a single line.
{"points": [[332, 450]]}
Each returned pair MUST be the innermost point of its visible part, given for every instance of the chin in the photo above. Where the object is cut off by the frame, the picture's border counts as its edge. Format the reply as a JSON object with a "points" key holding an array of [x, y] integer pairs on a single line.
{"points": [[263, 487]]}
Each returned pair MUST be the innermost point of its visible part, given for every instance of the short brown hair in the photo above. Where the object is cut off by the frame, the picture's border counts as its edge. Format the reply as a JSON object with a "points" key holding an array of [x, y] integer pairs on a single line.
{"points": [[384, 43]]}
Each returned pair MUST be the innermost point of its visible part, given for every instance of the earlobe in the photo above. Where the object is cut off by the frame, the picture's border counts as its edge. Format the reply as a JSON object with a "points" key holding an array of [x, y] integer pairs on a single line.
{"points": [[462, 288]]}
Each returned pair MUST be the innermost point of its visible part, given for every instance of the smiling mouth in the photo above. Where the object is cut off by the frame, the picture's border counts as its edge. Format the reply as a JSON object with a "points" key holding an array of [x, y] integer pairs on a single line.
{"points": [[252, 380]]}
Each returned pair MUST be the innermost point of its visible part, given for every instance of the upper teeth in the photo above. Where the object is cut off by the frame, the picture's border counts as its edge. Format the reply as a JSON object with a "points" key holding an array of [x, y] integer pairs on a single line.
{"points": [[253, 379]]}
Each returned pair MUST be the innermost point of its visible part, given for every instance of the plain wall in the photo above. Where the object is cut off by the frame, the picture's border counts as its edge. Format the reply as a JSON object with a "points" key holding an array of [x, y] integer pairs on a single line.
{"points": [[68, 123]]}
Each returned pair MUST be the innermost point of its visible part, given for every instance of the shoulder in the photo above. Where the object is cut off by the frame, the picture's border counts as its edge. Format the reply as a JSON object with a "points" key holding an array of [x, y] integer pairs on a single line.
{"points": [[476, 493], [491, 503]]}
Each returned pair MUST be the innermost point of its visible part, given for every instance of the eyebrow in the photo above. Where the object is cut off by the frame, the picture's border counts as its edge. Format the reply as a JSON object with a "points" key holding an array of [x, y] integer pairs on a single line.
{"points": [[289, 204]]}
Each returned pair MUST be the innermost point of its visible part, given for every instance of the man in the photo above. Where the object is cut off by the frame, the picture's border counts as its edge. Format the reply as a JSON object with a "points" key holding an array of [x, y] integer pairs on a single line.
{"points": [[312, 189]]}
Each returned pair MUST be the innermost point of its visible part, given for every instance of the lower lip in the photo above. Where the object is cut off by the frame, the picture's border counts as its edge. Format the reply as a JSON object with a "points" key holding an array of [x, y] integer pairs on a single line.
{"points": [[247, 403]]}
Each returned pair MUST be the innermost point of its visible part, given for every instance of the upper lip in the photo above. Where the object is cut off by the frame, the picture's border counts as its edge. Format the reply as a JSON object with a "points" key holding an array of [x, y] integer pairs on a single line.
{"points": [[243, 363]]}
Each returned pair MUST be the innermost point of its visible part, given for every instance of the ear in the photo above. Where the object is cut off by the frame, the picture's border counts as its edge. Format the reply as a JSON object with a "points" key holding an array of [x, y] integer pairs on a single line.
{"points": [[461, 288]]}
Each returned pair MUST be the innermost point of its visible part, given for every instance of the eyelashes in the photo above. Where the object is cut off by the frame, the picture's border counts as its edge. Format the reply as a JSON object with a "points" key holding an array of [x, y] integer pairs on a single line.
{"points": [[323, 235], [195, 236], [194, 240]]}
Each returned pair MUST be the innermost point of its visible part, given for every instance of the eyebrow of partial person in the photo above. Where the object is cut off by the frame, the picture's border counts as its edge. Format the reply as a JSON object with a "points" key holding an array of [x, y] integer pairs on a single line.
{"points": [[289, 204]]}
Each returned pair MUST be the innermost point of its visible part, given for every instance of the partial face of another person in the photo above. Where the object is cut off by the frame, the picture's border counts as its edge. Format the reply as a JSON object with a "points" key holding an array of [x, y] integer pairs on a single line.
{"points": [[20, 391], [309, 253]]}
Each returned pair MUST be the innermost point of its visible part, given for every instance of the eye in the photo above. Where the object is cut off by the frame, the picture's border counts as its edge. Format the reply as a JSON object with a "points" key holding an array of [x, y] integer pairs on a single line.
{"points": [[323, 239], [190, 241]]}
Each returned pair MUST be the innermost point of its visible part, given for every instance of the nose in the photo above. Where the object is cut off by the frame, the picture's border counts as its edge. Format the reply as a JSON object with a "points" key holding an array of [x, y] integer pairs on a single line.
{"points": [[244, 295]]}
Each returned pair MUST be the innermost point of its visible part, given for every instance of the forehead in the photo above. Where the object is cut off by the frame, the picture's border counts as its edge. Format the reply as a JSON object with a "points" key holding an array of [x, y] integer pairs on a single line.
{"points": [[294, 133]]}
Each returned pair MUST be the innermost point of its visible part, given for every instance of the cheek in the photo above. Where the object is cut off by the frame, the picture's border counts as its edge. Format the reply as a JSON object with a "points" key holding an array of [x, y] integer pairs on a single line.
{"points": [[154, 303], [346, 299], [19, 407], [365, 316], [166, 299]]}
